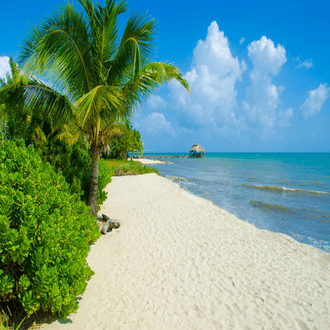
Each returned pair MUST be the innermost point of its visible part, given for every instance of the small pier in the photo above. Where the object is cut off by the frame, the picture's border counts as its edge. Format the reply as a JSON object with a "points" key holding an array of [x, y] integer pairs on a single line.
{"points": [[196, 151]]}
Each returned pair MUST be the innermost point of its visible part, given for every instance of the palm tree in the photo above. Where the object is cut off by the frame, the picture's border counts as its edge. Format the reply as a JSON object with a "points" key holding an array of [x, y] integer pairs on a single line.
{"points": [[97, 78], [13, 112], [18, 118]]}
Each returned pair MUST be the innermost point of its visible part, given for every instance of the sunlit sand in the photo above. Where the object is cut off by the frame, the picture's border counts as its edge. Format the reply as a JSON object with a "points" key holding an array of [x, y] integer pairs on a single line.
{"points": [[179, 262]]}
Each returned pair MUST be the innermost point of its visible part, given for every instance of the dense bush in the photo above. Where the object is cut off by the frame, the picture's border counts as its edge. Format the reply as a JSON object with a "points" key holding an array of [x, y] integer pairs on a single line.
{"points": [[137, 168], [129, 140], [128, 166], [75, 164], [104, 180], [45, 234], [72, 160]]}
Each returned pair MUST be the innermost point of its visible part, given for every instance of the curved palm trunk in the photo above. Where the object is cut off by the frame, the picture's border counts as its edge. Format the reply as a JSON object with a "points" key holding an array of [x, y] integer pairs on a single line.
{"points": [[94, 182]]}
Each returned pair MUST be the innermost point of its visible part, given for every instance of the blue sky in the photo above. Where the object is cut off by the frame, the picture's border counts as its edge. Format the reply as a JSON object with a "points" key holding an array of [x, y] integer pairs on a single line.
{"points": [[259, 73]]}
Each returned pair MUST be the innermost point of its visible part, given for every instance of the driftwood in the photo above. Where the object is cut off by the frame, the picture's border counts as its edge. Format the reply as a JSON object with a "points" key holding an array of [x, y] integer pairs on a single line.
{"points": [[106, 228], [109, 225], [105, 217]]}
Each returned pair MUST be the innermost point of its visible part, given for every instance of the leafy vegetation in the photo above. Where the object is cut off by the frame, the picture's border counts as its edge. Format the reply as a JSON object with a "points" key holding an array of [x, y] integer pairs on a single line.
{"points": [[45, 233], [14, 113], [97, 77], [75, 164], [4, 326], [58, 145], [129, 166], [128, 140]]}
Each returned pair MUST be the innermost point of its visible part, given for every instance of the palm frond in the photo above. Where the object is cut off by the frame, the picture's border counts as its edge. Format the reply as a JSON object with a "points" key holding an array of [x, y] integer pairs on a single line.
{"points": [[136, 44], [158, 73], [44, 99], [151, 77], [102, 77], [103, 103], [59, 50]]}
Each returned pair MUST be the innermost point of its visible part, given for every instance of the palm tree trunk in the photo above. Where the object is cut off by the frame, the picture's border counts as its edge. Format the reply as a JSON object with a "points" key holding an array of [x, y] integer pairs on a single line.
{"points": [[94, 182]]}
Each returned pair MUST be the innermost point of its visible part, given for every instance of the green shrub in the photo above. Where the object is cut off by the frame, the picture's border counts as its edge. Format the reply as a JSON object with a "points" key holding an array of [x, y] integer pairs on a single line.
{"points": [[75, 164], [45, 233], [137, 168], [104, 179], [128, 166], [128, 140]]}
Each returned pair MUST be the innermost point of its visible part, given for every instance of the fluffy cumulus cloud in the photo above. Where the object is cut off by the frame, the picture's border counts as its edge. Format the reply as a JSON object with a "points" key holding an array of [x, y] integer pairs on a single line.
{"points": [[263, 96], [212, 80], [211, 108], [156, 123], [266, 58], [315, 100], [4, 66]]}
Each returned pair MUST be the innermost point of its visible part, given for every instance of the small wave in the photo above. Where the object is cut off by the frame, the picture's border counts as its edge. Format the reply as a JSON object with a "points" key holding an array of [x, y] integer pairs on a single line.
{"points": [[284, 189], [180, 180], [270, 207], [320, 243], [176, 178], [315, 183]]}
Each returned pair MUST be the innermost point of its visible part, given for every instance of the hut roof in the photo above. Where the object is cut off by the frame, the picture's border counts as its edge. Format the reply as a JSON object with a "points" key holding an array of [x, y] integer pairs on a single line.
{"points": [[197, 148]]}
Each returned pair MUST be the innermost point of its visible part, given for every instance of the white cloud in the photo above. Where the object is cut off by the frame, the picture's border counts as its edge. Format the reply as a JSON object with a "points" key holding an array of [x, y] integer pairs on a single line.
{"points": [[267, 58], [263, 96], [212, 80], [284, 117], [306, 64], [315, 100], [4, 66], [156, 102], [156, 123], [241, 41]]}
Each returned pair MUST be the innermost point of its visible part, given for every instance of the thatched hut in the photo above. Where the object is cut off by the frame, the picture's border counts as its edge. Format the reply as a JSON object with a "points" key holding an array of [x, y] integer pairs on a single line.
{"points": [[197, 151]]}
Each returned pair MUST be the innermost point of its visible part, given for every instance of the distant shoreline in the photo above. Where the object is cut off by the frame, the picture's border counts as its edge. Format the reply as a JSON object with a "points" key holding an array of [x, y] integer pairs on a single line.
{"points": [[145, 161]]}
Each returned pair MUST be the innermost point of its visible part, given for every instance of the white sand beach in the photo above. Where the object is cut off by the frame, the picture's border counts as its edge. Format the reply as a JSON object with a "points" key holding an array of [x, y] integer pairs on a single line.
{"points": [[179, 262], [146, 161]]}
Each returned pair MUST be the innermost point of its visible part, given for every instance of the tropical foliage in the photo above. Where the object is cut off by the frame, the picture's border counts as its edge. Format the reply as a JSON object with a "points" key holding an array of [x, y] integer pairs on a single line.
{"points": [[74, 163], [129, 166], [14, 114], [97, 78], [128, 140], [58, 145], [45, 233]]}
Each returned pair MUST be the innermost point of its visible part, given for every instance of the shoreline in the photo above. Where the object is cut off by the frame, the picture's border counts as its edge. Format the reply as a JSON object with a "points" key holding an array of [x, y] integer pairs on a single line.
{"points": [[180, 262], [145, 161]]}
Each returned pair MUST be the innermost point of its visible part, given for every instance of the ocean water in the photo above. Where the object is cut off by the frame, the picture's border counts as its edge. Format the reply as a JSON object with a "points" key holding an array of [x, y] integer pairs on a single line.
{"points": [[284, 193]]}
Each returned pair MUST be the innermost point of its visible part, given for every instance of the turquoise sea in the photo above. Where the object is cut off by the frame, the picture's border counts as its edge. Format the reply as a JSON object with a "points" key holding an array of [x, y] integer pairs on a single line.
{"points": [[282, 192]]}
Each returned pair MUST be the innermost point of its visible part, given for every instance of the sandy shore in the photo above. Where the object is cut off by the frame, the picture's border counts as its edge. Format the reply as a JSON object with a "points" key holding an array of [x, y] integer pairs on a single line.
{"points": [[145, 161], [179, 262]]}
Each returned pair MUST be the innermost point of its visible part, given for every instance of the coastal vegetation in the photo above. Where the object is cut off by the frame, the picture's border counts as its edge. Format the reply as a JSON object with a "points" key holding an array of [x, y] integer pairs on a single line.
{"points": [[67, 103], [45, 234], [128, 141], [96, 77], [129, 167]]}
